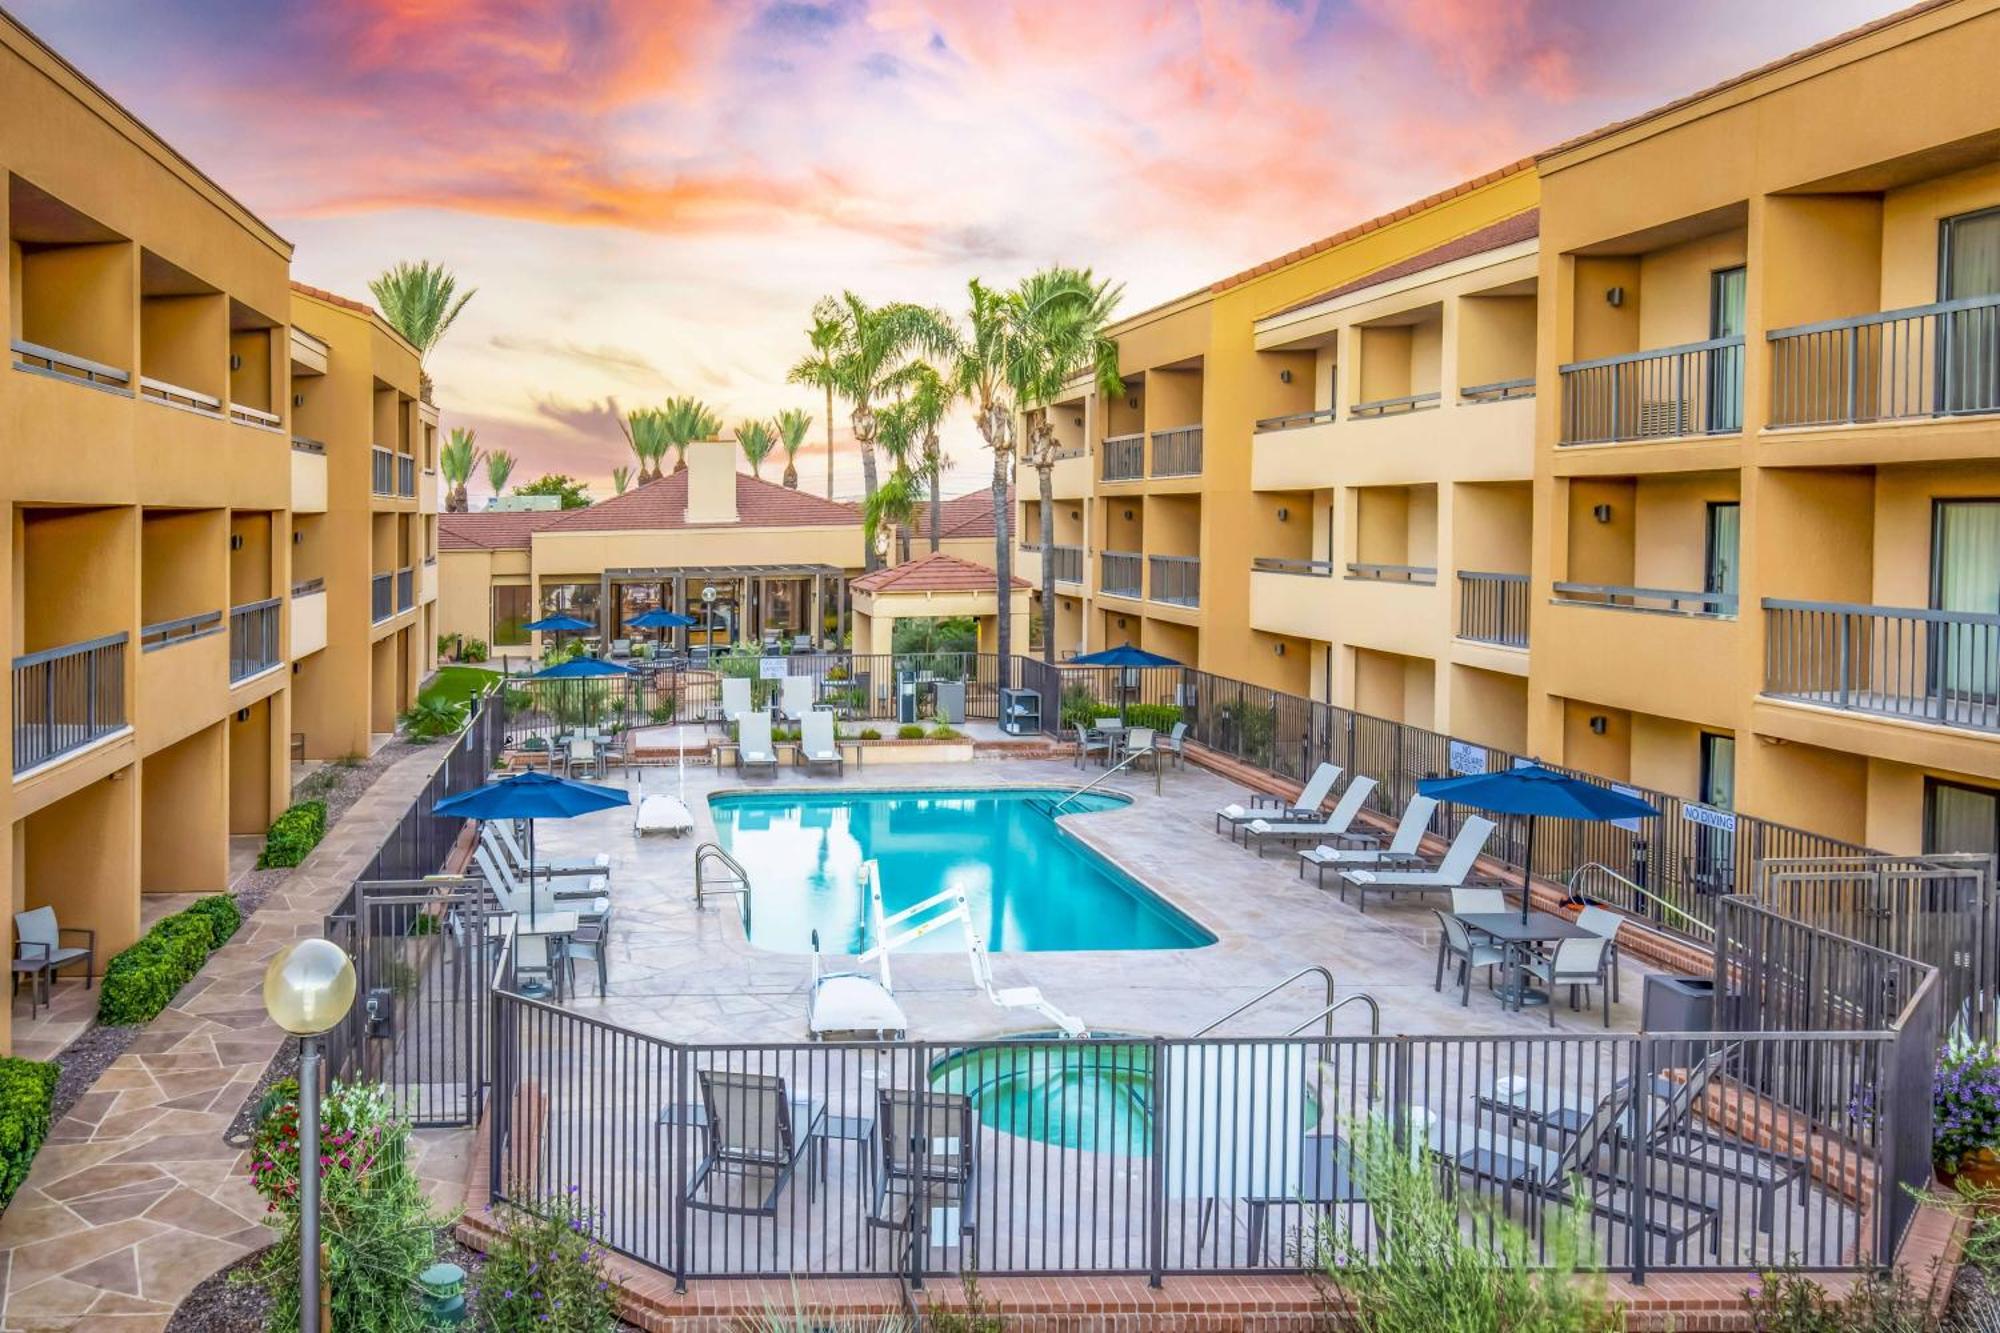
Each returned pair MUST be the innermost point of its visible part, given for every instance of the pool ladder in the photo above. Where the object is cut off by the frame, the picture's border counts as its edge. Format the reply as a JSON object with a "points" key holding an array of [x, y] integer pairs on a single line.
{"points": [[738, 883]]}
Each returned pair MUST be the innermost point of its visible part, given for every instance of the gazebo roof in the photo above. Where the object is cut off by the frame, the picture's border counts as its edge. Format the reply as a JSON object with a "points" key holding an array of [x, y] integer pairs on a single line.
{"points": [[936, 572]]}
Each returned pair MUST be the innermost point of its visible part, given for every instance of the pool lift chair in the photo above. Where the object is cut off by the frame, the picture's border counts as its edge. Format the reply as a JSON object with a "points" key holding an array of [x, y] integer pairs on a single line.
{"points": [[855, 1006], [1016, 997]]}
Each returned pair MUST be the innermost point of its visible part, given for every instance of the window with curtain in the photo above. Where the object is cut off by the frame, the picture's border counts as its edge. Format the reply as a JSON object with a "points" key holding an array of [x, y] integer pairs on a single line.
{"points": [[1965, 576], [1959, 818], [1969, 352], [512, 609]]}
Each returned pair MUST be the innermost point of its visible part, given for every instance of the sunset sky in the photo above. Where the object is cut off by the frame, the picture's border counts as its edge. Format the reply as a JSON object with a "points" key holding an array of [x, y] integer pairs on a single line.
{"points": [[649, 194]]}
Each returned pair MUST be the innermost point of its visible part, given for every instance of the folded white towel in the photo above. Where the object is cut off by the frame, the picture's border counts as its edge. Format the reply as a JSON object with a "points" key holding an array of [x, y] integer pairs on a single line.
{"points": [[1322, 852], [1233, 811], [1260, 826]]}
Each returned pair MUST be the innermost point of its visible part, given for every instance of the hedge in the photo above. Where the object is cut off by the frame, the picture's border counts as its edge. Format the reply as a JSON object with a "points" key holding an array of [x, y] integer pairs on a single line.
{"points": [[27, 1097], [142, 980], [293, 834]]}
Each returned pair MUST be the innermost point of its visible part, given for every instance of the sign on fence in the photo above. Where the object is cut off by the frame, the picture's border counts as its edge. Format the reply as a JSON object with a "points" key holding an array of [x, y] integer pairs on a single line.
{"points": [[1709, 817], [1467, 757], [772, 668]]}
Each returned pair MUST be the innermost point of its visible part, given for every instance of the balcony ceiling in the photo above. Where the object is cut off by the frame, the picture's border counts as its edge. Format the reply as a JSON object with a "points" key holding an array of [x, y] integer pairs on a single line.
{"points": [[37, 217], [1927, 164], [1728, 217], [162, 277]]}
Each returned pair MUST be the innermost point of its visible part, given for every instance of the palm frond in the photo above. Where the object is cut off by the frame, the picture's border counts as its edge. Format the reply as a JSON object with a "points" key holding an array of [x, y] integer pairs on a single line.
{"points": [[420, 300], [499, 467], [458, 457], [756, 441], [621, 480], [791, 426]]}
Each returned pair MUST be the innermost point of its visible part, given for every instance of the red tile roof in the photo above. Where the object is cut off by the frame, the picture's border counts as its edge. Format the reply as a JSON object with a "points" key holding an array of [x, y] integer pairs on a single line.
{"points": [[492, 530], [964, 516], [332, 298], [1495, 236], [663, 504], [931, 573]]}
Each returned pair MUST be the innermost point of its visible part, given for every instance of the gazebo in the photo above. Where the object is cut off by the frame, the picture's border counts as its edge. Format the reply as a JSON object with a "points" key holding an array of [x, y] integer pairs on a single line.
{"points": [[930, 587]]}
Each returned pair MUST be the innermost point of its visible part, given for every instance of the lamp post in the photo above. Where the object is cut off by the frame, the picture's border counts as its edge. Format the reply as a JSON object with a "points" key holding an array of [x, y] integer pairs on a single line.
{"points": [[308, 988]]}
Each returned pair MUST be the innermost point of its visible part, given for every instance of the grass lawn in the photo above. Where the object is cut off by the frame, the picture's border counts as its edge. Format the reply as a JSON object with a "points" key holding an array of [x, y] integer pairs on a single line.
{"points": [[457, 684]]}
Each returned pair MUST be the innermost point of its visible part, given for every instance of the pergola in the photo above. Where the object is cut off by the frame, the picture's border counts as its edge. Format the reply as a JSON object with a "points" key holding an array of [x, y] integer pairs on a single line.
{"points": [[751, 589]]}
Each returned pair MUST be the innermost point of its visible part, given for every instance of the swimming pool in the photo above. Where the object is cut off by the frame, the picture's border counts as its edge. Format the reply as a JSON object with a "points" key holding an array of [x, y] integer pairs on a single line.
{"points": [[1031, 887]]}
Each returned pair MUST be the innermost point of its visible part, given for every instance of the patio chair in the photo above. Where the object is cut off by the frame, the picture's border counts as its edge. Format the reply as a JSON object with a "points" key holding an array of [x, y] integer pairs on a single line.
{"points": [[1455, 941], [1476, 902], [770, 642], [753, 1129], [818, 747], [1139, 744], [801, 643], [621, 648], [513, 896], [582, 756], [1089, 743], [1449, 873], [38, 938], [1577, 964], [1174, 743], [1603, 921], [925, 1158], [591, 944], [502, 831], [1263, 833], [754, 750], [1404, 847], [1273, 810], [735, 698], [795, 698]]}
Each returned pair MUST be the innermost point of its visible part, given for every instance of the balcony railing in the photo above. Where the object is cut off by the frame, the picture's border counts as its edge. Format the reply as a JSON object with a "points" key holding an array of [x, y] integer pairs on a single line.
{"points": [[406, 588], [67, 697], [1922, 361], [1391, 407], [1068, 451], [406, 476], [1664, 601], [1124, 457], [1368, 572], [1296, 420], [254, 416], [1118, 573], [179, 395], [1493, 608], [40, 360], [382, 477], [382, 597], [1693, 389], [1499, 391], [1927, 666], [165, 633], [253, 637], [1175, 579], [305, 444], [1271, 564], [1177, 452], [1065, 563], [307, 587]]}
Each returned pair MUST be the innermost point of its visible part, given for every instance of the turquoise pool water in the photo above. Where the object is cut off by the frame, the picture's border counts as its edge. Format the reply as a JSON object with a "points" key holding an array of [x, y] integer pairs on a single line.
{"points": [[1031, 887]]}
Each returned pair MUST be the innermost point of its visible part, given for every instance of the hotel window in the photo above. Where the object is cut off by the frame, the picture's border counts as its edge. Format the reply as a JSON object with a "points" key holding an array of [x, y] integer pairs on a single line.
{"points": [[1968, 362], [1958, 818], [511, 610], [570, 599]]}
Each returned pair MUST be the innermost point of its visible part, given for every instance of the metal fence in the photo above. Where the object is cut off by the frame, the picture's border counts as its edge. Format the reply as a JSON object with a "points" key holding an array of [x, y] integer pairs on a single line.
{"points": [[1693, 389], [1493, 608], [406, 588], [1920, 361], [1935, 666], [382, 471], [1175, 579], [253, 637], [67, 697], [1124, 457], [1177, 452], [1118, 573], [1065, 563], [382, 597]]}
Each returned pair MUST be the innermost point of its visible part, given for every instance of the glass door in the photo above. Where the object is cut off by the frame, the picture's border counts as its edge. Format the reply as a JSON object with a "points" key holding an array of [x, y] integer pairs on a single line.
{"points": [[1728, 291], [1959, 818], [1965, 578], [1715, 848], [1725, 527], [1968, 353]]}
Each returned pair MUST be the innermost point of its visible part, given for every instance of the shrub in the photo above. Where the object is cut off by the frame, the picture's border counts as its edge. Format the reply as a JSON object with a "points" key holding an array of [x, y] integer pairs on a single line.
{"points": [[911, 731], [293, 834], [1160, 717], [941, 732], [449, 644], [472, 650], [663, 711], [1081, 707], [221, 913], [871, 733], [1965, 1097], [27, 1097], [1790, 1302], [546, 1273], [143, 979], [432, 718]]}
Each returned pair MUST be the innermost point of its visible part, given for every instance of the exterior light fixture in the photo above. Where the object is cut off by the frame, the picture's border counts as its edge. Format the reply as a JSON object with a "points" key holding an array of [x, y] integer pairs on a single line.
{"points": [[1284, 377], [1284, 514], [1277, 650], [1599, 724], [443, 1288], [1602, 513], [1614, 297]]}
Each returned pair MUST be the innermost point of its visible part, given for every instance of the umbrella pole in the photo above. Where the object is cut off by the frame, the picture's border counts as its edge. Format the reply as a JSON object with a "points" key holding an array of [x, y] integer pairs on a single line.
{"points": [[1527, 869], [531, 874]]}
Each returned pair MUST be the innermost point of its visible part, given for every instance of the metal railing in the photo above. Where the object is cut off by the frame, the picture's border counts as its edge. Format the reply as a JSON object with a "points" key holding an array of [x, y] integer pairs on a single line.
{"points": [[305, 444], [1393, 407], [1928, 666], [1596, 882], [165, 633], [1272, 564], [1174, 579], [67, 697], [1325, 976], [382, 597], [244, 414], [1493, 608], [307, 587], [382, 471], [406, 476], [1064, 452], [736, 883], [1177, 452], [253, 637], [1499, 391], [1296, 420], [406, 588], [1065, 563], [177, 395], [1663, 601], [40, 360], [1124, 457], [1119, 572], [1368, 572], [1692, 389], [1935, 360]]}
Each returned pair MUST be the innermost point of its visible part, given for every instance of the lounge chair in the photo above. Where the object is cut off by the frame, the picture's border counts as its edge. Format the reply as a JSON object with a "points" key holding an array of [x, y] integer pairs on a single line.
{"points": [[513, 896], [1455, 941], [735, 699], [39, 939], [1328, 1177], [659, 812], [573, 879], [754, 1130], [1174, 744], [1449, 873], [925, 1161], [795, 696], [1577, 964], [753, 744], [1272, 810], [818, 746], [1263, 833], [1406, 846], [503, 830]]}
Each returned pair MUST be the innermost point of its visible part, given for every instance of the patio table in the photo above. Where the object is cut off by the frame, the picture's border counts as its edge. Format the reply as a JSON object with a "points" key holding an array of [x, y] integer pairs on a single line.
{"points": [[1113, 735], [1514, 935]]}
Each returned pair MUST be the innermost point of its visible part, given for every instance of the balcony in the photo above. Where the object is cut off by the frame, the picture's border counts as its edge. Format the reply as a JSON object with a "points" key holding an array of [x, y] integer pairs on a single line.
{"points": [[406, 588], [309, 481], [382, 474], [1941, 667], [1298, 420], [167, 633], [1693, 389], [1365, 572], [253, 638], [1065, 564], [1174, 579], [1118, 573], [1918, 363], [406, 476], [244, 415], [1394, 407], [1271, 564], [180, 396], [382, 598], [1125, 458], [308, 617], [39, 360], [1493, 608], [1658, 601], [1177, 452], [65, 698], [1499, 391]]}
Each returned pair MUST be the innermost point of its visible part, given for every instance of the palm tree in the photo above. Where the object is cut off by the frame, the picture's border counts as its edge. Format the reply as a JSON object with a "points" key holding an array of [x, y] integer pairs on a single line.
{"points": [[791, 426], [987, 372], [499, 467], [897, 432], [420, 301], [929, 402], [817, 371], [894, 503], [649, 430], [1062, 314], [621, 480], [756, 441], [458, 459], [689, 420]]}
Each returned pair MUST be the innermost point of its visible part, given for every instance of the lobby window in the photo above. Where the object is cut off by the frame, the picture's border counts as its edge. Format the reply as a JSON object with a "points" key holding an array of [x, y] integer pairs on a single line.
{"points": [[511, 610]]}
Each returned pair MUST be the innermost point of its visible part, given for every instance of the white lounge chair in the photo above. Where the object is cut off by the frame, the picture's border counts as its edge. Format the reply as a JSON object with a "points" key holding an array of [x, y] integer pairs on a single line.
{"points": [[795, 697], [582, 882], [1263, 833], [1449, 873], [503, 831], [659, 812], [513, 896], [735, 698], [1403, 847], [753, 744], [818, 747], [1305, 806]]}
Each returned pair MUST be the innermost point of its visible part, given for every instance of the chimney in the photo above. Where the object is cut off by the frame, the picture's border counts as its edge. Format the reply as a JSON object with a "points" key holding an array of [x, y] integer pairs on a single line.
{"points": [[711, 496]]}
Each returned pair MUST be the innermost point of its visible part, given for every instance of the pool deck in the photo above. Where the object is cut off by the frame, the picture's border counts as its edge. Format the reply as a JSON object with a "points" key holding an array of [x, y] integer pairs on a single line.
{"points": [[693, 976]]}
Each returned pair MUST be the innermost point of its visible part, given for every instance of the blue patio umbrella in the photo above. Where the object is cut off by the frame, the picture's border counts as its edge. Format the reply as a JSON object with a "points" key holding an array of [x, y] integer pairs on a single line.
{"points": [[559, 625], [1128, 657], [531, 796], [581, 668], [1534, 791], [660, 619]]}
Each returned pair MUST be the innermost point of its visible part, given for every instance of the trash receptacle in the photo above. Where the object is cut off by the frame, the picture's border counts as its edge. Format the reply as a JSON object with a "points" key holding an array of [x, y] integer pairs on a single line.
{"points": [[906, 699], [1678, 1004], [948, 701]]}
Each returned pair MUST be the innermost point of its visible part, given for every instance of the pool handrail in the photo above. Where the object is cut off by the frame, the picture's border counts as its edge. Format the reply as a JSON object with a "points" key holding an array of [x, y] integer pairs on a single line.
{"points": [[1133, 757], [1327, 1013], [710, 851]]}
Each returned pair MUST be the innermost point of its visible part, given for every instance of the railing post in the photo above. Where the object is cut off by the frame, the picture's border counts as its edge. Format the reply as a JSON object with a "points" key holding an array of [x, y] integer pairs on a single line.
{"points": [[1853, 337], [1156, 1194], [1846, 651], [1680, 395], [1637, 1133]]}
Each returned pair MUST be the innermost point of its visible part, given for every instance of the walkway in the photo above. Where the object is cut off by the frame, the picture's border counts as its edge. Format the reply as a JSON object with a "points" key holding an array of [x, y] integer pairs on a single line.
{"points": [[135, 1198]]}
